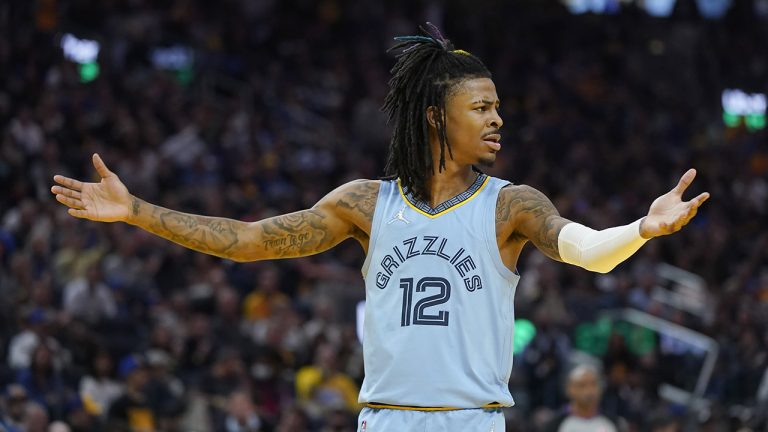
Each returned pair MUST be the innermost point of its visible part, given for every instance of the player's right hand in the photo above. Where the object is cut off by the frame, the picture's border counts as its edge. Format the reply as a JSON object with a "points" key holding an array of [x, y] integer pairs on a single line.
{"points": [[106, 201]]}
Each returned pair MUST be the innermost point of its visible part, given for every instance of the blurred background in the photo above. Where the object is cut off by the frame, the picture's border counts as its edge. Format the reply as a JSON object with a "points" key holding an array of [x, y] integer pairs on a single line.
{"points": [[251, 108]]}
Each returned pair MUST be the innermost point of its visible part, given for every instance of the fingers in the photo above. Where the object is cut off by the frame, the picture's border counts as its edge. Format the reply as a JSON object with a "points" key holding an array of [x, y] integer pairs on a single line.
{"points": [[58, 190], [68, 182], [693, 209], [70, 202], [101, 167], [699, 200], [76, 206], [82, 214], [694, 204], [685, 181]]}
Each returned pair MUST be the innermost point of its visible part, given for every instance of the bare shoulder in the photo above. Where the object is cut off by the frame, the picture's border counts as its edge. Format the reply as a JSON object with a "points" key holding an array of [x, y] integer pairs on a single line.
{"points": [[355, 201], [516, 199], [527, 199]]}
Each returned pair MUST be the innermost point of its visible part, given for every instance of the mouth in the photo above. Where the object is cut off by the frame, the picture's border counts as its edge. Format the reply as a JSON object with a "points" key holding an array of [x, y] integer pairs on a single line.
{"points": [[493, 141]]}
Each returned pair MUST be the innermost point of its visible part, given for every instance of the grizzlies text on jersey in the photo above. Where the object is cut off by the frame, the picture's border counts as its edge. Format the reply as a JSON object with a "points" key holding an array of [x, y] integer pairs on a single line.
{"points": [[439, 311]]}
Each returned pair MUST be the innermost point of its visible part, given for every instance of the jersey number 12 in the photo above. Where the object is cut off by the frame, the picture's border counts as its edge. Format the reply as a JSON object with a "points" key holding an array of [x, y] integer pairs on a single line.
{"points": [[419, 310]]}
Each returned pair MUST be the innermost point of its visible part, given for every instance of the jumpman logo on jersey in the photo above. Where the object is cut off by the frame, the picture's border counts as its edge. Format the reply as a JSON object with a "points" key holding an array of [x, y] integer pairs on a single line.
{"points": [[399, 216]]}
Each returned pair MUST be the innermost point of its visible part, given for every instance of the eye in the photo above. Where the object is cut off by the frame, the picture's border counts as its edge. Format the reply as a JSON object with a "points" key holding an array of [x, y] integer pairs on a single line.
{"points": [[482, 108]]}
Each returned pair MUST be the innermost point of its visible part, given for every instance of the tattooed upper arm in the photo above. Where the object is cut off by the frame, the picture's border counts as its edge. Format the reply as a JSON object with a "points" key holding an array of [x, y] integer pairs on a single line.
{"points": [[345, 212], [357, 200], [530, 215]]}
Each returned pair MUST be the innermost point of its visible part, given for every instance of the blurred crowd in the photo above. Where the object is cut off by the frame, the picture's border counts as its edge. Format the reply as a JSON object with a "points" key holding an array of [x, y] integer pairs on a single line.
{"points": [[104, 327]]}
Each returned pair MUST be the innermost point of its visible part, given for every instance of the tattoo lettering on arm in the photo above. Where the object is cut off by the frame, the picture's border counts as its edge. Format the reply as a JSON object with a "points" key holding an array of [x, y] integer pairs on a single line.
{"points": [[345, 212], [296, 234], [536, 218]]}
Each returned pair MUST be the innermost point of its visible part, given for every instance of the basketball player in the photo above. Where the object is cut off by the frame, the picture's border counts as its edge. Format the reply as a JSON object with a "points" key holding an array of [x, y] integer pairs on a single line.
{"points": [[442, 241]]}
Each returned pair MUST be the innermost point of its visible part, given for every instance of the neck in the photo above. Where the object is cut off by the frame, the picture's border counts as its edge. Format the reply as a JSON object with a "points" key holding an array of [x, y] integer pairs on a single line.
{"points": [[452, 181]]}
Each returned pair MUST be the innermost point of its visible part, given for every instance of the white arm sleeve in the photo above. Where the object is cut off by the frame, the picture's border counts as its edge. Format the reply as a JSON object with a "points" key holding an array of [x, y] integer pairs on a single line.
{"points": [[598, 251]]}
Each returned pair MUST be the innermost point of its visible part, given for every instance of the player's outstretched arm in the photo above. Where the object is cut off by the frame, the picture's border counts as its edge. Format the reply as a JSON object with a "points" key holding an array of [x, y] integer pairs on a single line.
{"points": [[346, 212], [534, 217]]}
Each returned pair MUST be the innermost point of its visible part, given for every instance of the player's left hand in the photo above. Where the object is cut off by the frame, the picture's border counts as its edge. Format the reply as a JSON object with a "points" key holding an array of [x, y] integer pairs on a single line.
{"points": [[669, 213]]}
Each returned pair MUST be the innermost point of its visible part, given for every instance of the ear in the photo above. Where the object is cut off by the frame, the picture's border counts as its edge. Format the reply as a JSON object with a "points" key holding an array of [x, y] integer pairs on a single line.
{"points": [[432, 113]]}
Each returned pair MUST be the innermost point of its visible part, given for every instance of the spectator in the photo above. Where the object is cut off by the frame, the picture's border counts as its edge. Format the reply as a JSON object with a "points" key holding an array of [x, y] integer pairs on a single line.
{"points": [[44, 382], [241, 414], [37, 332], [100, 388], [165, 392], [13, 409], [322, 386], [58, 426], [260, 303], [36, 419], [131, 412], [89, 298], [294, 419], [584, 391]]}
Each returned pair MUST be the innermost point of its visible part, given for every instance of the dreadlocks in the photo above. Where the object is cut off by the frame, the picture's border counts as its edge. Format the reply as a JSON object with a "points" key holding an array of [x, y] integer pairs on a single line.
{"points": [[427, 71]]}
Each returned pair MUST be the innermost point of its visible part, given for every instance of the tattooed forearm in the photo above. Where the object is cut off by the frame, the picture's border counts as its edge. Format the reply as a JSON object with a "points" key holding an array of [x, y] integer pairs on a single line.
{"points": [[211, 235], [537, 219], [205, 234]]}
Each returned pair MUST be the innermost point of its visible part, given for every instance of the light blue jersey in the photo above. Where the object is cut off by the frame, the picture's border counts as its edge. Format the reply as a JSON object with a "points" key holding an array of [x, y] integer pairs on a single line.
{"points": [[439, 302]]}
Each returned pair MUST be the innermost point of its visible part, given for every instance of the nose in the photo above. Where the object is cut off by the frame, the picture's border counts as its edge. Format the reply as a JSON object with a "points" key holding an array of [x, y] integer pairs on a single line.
{"points": [[495, 121]]}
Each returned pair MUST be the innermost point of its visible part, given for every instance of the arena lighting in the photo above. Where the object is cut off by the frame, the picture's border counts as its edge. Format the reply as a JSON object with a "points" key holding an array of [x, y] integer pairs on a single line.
{"points": [[525, 331], [710, 9], [80, 51], [594, 6], [84, 52], [740, 106], [659, 8], [178, 59], [88, 71], [713, 9], [174, 57]]}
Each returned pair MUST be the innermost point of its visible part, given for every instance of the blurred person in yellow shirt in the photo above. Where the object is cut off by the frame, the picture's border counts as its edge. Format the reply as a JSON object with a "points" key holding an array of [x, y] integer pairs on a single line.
{"points": [[322, 386]]}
